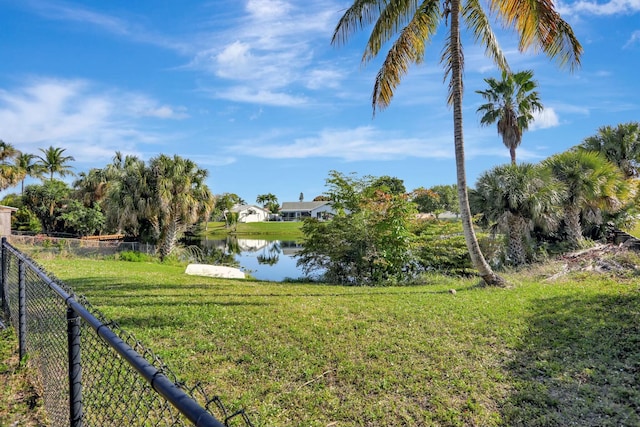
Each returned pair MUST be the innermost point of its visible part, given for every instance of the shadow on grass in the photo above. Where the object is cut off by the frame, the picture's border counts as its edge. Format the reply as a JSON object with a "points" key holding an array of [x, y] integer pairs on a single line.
{"points": [[579, 365]]}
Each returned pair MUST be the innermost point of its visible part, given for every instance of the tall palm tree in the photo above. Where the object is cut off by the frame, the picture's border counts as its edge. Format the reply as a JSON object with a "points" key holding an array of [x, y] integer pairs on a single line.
{"points": [[415, 22], [511, 103], [91, 187], [54, 161], [620, 145], [25, 164], [591, 181], [515, 198]]}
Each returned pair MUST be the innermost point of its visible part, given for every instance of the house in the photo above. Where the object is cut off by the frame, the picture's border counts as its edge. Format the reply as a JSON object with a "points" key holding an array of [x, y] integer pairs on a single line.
{"points": [[250, 213], [297, 211], [5, 220]]}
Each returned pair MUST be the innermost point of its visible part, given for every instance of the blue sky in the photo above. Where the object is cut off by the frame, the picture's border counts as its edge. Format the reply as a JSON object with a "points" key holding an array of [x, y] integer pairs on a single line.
{"points": [[253, 91]]}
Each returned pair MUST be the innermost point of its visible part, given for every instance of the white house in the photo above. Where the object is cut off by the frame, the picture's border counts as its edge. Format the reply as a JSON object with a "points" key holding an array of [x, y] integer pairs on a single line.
{"points": [[250, 213], [5, 219], [297, 211]]}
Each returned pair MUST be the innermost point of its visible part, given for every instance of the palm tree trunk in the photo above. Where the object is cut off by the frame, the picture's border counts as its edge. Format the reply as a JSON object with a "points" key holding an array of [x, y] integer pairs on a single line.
{"points": [[512, 152], [477, 259], [516, 250], [574, 228]]}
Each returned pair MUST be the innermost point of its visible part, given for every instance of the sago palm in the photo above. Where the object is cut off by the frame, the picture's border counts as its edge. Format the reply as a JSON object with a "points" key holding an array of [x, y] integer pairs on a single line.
{"points": [[511, 103], [415, 22], [515, 198]]}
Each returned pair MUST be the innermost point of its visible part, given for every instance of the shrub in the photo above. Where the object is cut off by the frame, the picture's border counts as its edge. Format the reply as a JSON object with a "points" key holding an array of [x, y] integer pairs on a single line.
{"points": [[134, 256]]}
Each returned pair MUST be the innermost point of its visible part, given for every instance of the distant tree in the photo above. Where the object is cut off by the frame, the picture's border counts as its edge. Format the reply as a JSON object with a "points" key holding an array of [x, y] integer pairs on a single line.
{"points": [[10, 175], [268, 201], [91, 188], [511, 103], [448, 195], [389, 184], [321, 198], [620, 145], [301, 198], [81, 219], [427, 201], [26, 166], [223, 204], [53, 161]]}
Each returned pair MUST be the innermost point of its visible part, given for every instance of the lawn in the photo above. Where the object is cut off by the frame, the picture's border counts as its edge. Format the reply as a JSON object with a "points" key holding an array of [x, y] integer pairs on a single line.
{"points": [[272, 230], [540, 353]]}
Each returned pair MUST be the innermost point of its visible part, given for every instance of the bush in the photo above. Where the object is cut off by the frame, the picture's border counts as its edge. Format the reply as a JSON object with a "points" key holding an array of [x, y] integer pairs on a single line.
{"points": [[134, 256]]}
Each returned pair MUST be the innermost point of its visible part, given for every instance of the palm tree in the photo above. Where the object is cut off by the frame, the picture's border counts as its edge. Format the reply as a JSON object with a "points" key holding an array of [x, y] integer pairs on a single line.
{"points": [[91, 187], [54, 162], [620, 145], [591, 181], [181, 198], [511, 102], [26, 167], [537, 23], [10, 175], [515, 198]]}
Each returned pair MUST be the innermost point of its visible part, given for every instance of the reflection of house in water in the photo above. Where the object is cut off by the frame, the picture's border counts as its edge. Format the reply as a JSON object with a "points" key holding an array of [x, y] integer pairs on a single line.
{"points": [[290, 247], [252, 245]]}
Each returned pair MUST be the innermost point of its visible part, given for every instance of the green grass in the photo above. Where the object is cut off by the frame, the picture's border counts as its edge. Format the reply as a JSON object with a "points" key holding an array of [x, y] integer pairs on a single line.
{"points": [[537, 354], [271, 230]]}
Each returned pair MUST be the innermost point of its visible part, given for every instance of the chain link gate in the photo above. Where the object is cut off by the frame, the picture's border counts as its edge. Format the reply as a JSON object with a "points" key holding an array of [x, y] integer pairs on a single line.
{"points": [[91, 371]]}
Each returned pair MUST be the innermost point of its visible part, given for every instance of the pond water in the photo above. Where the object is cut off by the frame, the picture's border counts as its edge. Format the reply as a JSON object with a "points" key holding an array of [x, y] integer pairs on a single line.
{"points": [[272, 260]]}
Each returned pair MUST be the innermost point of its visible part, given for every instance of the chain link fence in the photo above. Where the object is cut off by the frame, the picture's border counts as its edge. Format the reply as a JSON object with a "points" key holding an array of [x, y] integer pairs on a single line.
{"points": [[91, 372]]}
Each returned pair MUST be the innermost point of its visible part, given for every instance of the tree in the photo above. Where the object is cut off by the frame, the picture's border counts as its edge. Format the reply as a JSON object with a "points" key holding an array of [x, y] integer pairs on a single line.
{"points": [[537, 23], [389, 184], [427, 201], [592, 182], [181, 198], [10, 175], [511, 103], [301, 198], [26, 166], [46, 201], [368, 244], [54, 161], [91, 187], [223, 204], [268, 201], [516, 198], [81, 219], [620, 145]]}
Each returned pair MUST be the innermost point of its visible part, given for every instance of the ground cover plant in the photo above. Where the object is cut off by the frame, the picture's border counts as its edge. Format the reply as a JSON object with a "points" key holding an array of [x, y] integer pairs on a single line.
{"points": [[542, 352]]}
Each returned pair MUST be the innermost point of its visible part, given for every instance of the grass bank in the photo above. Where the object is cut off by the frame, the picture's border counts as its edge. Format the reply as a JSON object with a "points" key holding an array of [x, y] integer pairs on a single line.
{"points": [[538, 354], [271, 230]]}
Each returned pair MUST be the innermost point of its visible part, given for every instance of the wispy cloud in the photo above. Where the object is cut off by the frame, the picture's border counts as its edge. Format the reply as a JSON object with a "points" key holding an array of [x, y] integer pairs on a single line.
{"points": [[91, 123], [633, 40], [613, 7]]}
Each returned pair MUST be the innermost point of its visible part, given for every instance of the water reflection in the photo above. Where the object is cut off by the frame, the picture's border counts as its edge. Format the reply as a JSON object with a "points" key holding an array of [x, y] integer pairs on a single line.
{"points": [[263, 259]]}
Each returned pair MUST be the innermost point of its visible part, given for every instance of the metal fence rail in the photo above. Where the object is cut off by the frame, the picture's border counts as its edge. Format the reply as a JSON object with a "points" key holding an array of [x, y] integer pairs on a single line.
{"points": [[92, 372]]}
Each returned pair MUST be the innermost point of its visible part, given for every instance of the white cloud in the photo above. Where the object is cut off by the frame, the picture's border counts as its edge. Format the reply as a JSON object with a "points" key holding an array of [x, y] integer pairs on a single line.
{"points": [[262, 97], [613, 7], [634, 39], [544, 119], [362, 143], [90, 123]]}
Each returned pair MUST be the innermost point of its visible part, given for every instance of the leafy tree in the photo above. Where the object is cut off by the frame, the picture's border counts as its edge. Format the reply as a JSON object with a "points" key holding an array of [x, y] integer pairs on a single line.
{"points": [[25, 220], [620, 145], [368, 244], [511, 103], [322, 198], [301, 198], [83, 220], [427, 201], [223, 204], [46, 201], [91, 188], [515, 198], [389, 184], [592, 182], [448, 195], [53, 161], [415, 24]]}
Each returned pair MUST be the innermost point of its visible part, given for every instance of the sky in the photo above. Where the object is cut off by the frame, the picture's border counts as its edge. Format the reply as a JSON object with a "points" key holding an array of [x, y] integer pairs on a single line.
{"points": [[254, 91]]}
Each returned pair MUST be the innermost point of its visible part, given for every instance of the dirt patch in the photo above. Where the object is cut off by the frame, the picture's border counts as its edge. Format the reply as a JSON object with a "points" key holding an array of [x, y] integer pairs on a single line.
{"points": [[601, 258]]}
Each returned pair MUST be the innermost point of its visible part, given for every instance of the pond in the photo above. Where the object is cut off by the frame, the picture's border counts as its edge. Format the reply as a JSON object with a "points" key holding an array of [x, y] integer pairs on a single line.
{"points": [[272, 260]]}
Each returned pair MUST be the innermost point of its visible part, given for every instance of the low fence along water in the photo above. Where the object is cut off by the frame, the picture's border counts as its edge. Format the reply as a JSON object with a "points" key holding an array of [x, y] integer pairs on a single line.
{"points": [[93, 373]]}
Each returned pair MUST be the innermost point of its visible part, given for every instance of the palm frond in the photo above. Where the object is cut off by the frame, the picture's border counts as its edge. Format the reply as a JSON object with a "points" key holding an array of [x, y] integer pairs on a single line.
{"points": [[478, 22], [358, 16]]}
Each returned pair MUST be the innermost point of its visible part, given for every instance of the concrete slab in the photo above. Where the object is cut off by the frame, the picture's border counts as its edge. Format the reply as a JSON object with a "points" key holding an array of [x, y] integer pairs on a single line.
{"points": [[214, 271]]}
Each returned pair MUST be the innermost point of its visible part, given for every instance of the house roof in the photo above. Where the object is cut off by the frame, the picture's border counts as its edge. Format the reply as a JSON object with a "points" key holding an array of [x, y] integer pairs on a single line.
{"points": [[302, 206], [8, 208], [240, 208]]}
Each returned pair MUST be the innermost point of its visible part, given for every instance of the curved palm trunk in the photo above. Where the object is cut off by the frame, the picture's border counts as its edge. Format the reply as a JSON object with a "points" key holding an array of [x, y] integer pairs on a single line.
{"points": [[477, 259]]}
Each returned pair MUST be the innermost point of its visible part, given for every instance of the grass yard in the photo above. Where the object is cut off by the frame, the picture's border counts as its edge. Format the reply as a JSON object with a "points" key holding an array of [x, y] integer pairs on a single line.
{"points": [[272, 230], [538, 354]]}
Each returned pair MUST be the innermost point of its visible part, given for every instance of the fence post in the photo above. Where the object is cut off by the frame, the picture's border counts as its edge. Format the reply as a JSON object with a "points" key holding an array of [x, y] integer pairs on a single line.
{"points": [[22, 311], [4, 286], [75, 368]]}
